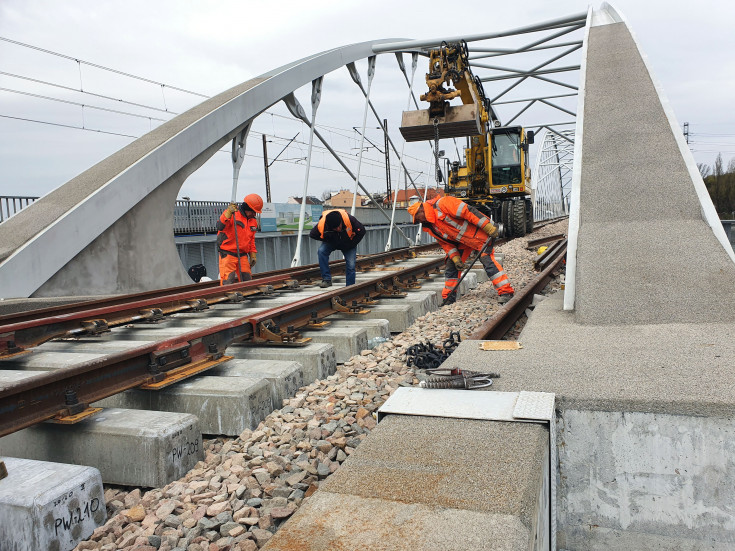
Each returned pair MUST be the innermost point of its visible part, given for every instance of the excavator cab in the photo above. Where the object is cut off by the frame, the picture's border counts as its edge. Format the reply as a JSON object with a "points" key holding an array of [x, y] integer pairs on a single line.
{"points": [[508, 158]]}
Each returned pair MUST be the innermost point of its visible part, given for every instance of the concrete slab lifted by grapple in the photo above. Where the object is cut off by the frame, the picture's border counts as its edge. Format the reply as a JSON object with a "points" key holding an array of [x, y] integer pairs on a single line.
{"points": [[459, 121], [49, 505], [167, 445]]}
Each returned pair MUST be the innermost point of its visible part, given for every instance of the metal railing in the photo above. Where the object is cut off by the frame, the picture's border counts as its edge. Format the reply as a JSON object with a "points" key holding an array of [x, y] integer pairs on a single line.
{"points": [[197, 217], [12, 204]]}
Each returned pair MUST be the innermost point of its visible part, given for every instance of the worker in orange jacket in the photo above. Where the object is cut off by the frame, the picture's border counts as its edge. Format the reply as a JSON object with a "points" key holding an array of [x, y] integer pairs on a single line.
{"points": [[461, 229], [240, 246]]}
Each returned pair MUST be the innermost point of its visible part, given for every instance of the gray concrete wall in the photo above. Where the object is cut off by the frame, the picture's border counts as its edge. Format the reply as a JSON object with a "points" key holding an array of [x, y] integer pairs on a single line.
{"points": [[632, 480]]}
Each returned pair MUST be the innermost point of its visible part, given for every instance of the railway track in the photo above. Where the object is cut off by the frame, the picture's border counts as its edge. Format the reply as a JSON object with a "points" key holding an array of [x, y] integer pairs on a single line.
{"points": [[65, 394]]}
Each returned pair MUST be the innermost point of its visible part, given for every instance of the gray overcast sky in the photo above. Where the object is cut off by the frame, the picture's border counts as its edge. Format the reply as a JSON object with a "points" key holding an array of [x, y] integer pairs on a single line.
{"points": [[207, 47]]}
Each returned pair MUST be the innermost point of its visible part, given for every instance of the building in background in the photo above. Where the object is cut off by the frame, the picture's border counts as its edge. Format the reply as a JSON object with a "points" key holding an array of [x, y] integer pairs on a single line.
{"points": [[310, 200], [406, 196], [343, 199]]}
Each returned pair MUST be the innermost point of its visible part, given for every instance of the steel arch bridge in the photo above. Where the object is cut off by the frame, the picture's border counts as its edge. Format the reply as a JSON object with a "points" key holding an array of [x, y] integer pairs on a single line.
{"points": [[108, 230]]}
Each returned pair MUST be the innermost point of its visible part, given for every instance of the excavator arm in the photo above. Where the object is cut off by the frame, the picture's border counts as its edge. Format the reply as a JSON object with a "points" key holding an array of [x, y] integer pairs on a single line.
{"points": [[449, 77]]}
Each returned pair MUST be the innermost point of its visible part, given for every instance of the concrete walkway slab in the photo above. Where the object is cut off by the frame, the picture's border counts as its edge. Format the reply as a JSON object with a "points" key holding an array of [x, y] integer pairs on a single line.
{"points": [[391, 525], [644, 422], [422, 496]]}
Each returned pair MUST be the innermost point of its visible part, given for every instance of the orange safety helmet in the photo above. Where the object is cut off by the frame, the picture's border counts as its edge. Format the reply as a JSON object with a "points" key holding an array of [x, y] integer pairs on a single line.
{"points": [[412, 209], [254, 201]]}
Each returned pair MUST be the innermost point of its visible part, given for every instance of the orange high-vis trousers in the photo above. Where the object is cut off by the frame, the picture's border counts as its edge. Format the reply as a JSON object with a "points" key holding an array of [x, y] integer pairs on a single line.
{"points": [[493, 269], [228, 268]]}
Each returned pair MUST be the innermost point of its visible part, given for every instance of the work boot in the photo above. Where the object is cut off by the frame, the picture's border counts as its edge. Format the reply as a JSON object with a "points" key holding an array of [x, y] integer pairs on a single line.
{"points": [[451, 299], [502, 299], [325, 283]]}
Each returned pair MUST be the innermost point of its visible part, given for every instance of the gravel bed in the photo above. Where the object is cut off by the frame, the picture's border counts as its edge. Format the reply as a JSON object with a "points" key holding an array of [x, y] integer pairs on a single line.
{"points": [[247, 487]]}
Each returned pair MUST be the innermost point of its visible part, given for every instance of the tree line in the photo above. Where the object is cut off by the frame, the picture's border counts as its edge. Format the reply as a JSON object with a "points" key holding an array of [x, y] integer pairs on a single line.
{"points": [[720, 184]]}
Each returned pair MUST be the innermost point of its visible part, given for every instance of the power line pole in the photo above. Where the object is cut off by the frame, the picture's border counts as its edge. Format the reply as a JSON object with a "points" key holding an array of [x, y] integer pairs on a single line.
{"points": [[387, 159], [267, 173]]}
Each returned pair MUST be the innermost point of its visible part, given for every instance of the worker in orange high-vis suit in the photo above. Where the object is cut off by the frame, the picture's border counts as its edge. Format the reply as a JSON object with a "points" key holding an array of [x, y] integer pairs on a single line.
{"points": [[241, 246], [461, 229]]}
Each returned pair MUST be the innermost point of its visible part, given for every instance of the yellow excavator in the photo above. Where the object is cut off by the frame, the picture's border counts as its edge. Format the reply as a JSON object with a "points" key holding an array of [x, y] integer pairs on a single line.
{"points": [[494, 175]]}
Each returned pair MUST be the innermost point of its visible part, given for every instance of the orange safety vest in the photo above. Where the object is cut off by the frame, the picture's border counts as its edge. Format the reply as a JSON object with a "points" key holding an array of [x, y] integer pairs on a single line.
{"points": [[453, 223], [345, 221], [246, 228]]}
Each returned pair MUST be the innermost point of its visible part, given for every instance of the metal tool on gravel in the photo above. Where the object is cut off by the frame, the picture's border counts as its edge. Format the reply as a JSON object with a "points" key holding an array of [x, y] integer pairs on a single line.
{"points": [[457, 378]]}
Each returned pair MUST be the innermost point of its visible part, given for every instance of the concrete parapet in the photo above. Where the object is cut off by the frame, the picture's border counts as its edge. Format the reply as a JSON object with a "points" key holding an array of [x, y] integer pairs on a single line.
{"points": [[633, 480], [167, 445], [49, 505]]}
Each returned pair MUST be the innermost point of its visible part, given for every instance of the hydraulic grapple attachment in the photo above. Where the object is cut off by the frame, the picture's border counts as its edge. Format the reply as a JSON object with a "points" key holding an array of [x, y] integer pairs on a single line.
{"points": [[448, 66]]}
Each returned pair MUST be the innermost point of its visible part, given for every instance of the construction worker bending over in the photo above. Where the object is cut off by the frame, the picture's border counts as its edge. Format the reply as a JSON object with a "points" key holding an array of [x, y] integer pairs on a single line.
{"points": [[461, 229], [337, 230], [236, 238]]}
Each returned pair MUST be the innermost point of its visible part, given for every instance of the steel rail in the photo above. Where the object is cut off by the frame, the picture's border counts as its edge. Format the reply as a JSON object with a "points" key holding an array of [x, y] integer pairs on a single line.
{"points": [[533, 243], [497, 326], [19, 332], [122, 299], [549, 255], [68, 392]]}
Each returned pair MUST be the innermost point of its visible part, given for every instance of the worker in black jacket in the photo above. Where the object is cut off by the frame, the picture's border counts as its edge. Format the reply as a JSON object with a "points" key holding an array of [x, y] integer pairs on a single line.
{"points": [[337, 230]]}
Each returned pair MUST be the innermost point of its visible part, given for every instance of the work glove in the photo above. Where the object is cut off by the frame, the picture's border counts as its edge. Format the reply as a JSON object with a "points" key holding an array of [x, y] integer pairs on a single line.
{"points": [[230, 210], [458, 262], [490, 230], [253, 259]]}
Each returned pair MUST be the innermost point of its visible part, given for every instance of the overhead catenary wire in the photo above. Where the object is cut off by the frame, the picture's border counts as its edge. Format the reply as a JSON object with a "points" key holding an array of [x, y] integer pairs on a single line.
{"points": [[79, 62]]}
